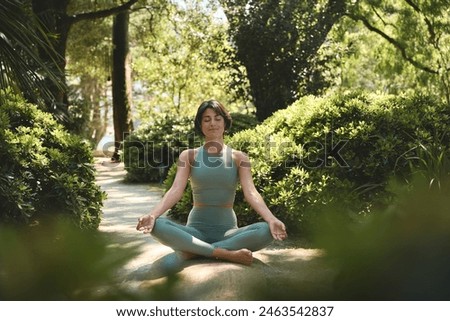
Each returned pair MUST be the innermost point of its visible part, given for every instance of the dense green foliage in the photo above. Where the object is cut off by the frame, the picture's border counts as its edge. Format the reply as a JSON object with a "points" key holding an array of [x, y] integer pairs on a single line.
{"points": [[21, 66], [399, 253], [45, 170], [153, 147], [57, 262], [181, 56], [413, 42], [342, 149], [276, 41], [151, 150]]}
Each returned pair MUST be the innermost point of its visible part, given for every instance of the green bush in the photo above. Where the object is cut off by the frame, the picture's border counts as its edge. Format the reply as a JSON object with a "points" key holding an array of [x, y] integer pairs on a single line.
{"points": [[151, 150], [45, 170], [341, 149]]}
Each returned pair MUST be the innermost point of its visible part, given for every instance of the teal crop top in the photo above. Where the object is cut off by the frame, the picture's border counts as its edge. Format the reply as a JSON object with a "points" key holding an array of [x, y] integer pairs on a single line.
{"points": [[214, 178]]}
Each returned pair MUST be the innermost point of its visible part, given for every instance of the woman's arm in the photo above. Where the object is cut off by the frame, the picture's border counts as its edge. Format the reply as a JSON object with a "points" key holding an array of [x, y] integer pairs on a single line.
{"points": [[254, 198], [172, 196]]}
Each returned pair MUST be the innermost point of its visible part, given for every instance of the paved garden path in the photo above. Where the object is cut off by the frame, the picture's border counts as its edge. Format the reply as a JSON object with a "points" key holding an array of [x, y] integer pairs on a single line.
{"points": [[281, 271]]}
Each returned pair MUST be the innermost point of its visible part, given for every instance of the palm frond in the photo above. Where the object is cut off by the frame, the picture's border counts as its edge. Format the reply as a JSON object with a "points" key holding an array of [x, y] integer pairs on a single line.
{"points": [[21, 38]]}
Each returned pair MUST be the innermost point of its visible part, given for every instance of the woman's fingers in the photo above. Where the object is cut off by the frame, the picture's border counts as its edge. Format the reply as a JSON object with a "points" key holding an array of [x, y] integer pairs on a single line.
{"points": [[140, 224], [145, 224], [280, 232]]}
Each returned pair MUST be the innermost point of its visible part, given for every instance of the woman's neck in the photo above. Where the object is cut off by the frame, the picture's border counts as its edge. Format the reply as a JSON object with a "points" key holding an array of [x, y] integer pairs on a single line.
{"points": [[214, 146]]}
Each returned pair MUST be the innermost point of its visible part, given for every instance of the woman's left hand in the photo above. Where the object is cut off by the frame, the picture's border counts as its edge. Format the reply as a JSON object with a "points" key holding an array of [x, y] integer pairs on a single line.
{"points": [[278, 230]]}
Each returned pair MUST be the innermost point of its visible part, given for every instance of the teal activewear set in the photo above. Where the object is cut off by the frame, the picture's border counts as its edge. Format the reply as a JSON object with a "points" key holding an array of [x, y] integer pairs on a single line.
{"points": [[212, 221]]}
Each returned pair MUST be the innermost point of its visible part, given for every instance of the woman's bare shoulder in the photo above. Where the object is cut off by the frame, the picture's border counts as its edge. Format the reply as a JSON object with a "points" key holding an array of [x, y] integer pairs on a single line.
{"points": [[188, 155], [239, 153], [241, 158], [188, 151]]}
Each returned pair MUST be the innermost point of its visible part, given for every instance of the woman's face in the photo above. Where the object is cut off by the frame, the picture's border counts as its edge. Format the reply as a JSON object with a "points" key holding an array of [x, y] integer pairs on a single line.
{"points": [[213, 125]]}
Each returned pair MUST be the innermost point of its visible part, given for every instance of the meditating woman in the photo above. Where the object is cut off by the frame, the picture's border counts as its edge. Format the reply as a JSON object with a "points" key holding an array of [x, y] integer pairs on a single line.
{"points": [[214, 170]]}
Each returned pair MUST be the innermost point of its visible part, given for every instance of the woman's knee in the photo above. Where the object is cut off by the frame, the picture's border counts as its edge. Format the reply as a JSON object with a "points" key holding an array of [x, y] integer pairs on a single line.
{"points": [[264, 231], [261, 232], [159, 226], [262, 236]]}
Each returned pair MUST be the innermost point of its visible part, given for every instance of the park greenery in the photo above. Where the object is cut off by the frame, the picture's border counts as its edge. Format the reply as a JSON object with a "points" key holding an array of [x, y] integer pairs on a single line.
{"points": [[340, 104]]}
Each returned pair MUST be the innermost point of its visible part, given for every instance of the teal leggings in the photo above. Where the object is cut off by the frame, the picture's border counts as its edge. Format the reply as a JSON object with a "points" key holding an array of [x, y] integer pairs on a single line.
{"points": [[202, 239]]}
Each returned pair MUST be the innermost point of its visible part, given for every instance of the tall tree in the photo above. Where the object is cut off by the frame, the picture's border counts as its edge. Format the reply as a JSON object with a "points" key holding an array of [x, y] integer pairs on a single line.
{"points": [[275, 41], [121, 81], [56, 20], [89, 56]]}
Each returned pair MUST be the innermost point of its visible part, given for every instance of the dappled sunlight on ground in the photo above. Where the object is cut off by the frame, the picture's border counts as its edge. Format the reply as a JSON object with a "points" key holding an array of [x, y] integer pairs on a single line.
{"points": [[288, 255], [125, 203]]}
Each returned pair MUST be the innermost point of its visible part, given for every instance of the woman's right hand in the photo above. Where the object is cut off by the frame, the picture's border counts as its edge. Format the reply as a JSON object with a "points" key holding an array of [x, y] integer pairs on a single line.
{"points": [[146, 223], [278, 229]]}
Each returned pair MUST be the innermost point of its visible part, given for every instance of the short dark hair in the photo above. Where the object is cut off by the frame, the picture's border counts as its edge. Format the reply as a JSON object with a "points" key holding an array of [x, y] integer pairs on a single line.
{"points": [[219, 110]]}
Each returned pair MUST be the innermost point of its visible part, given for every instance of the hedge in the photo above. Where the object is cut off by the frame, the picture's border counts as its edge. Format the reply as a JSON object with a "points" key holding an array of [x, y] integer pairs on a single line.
{"points": [[46, 171]]}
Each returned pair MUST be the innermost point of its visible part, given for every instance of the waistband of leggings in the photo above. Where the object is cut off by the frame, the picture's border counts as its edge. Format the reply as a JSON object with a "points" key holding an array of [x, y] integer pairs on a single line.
{"points": [[213, 205]]}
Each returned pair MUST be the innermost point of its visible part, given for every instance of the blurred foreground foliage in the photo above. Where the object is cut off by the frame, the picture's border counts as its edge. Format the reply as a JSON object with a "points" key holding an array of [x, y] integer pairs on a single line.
{"points": [[55, 261], [399, 253]]}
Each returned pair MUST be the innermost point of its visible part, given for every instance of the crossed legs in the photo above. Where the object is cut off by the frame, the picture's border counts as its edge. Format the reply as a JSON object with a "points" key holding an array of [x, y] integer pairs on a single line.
{"points": [[235, 246]]}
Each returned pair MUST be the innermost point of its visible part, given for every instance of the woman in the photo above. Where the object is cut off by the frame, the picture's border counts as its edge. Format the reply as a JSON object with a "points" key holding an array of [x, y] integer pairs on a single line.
{"points": [[214, 170]]}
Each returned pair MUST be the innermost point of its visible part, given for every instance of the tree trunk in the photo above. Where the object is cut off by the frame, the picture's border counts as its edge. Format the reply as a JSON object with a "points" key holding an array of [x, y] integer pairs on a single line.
{"points": [[121, 82], [54, 19], [271, 94]]}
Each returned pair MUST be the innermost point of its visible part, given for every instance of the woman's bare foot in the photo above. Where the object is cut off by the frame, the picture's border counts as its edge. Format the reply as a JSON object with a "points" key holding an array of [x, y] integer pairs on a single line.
{"points": [[242, 256]]}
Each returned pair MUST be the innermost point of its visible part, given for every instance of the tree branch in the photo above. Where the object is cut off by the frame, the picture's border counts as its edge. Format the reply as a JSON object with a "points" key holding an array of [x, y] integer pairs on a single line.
{"points": [[101, 13], [433, 38], [325, 20], [394, 42]]}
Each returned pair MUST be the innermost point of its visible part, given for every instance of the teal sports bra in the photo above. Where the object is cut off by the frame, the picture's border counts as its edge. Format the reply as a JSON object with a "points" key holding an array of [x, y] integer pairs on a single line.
{"points": [[214, 179]]}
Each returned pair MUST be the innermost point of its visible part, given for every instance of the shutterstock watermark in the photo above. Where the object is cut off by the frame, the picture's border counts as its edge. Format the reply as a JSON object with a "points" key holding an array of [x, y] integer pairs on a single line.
{"points": [[323, 152], [316, 154]]}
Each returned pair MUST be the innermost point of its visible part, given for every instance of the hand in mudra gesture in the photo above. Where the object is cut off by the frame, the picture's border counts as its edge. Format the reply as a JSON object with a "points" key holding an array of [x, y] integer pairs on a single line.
{"points": [[146, 223], [278, 230]]}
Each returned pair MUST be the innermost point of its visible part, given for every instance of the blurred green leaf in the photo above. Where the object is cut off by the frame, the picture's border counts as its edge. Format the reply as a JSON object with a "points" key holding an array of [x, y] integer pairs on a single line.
{"points": [[55, 261]]}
